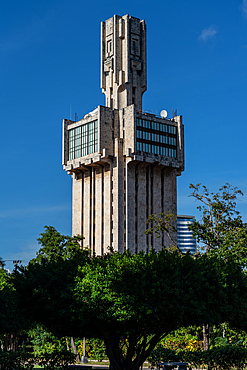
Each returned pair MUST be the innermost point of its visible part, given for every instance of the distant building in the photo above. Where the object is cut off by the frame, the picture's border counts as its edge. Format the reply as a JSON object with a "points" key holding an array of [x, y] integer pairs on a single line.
{"points": [[184, 235], [124, 162]]}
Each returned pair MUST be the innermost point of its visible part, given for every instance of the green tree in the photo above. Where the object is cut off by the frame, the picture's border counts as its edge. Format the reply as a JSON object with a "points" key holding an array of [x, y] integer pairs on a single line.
{"points": [[55, 250], [2, 264], [129, 301], [55, 246], [221, 230], [11, 319]]}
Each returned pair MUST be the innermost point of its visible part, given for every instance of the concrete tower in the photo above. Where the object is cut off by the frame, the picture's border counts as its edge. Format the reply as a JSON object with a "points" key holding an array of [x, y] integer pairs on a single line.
{"points": [[124, 162], [123, 61]]}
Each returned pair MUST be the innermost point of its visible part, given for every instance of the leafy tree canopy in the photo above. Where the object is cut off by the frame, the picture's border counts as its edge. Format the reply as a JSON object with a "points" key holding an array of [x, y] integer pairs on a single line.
{"points": [[2, 263], [221, 229], [124, 298], [55, 246], [10, 317]]}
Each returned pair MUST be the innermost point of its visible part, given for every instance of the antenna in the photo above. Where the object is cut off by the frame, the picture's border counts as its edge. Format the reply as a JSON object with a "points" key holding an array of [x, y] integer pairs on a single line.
{"points": [[76, 117], [163, 113]]}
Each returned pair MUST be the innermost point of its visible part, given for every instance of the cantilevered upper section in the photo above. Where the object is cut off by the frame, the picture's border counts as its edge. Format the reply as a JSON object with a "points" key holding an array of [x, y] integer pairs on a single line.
{"points": [[123, 61]]}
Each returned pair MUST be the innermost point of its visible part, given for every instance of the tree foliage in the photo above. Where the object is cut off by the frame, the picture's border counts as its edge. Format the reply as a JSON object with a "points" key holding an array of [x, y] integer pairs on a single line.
{"points": [[129, 301], [55, 246], [221, 229], [163, 224], [2, 263], [11, 319]]}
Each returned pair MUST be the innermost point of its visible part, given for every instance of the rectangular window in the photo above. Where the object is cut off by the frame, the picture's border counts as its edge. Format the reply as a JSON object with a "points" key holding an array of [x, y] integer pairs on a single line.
{"points": [[83, 140], [71, 145], [155, 138]]}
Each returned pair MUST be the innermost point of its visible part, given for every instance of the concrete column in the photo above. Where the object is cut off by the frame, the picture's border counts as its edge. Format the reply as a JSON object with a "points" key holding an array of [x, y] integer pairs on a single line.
{"points": [[142, 192], [107, 207], [157, 201], [77, 204], [118, 199], [170, 197], [98, 210], [130, 205], [86, 210]]}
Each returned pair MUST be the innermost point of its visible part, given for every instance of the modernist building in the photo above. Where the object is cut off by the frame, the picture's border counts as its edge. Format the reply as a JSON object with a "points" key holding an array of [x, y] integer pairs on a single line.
{"points": [[124, 162], [184, 235]]}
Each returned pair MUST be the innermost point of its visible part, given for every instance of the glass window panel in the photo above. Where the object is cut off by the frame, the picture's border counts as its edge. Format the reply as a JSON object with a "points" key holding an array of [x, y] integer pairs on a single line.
{"points": [[78, 153], [78, 131]]}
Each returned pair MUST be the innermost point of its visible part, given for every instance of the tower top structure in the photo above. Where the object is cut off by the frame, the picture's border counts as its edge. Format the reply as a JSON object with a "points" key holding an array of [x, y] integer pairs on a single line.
{"points": [[123, 61]]}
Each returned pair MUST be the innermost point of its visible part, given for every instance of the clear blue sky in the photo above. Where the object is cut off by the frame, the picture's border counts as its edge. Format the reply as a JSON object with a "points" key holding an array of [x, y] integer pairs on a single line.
{"points": [[50, 65]]}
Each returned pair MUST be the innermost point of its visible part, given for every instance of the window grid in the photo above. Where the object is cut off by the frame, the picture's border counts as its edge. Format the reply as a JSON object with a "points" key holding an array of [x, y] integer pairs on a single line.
{"points": [[83, 140], [156, 138]]}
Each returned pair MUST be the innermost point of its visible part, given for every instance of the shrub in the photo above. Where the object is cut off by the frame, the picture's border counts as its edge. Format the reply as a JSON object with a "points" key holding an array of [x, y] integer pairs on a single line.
{"points": [[21, 360], [59, 358], [224, 358], [161, 354], [16, 360]]}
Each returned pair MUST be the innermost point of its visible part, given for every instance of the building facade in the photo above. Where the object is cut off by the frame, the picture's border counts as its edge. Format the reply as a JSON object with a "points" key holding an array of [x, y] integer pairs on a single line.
{"points": [[184, 235], [124, 162]]}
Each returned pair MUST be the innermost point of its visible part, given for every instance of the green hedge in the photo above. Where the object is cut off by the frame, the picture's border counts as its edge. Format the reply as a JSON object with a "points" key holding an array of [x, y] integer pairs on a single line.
{"points": [[223, 358], [59, 359], [16, 360]]}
